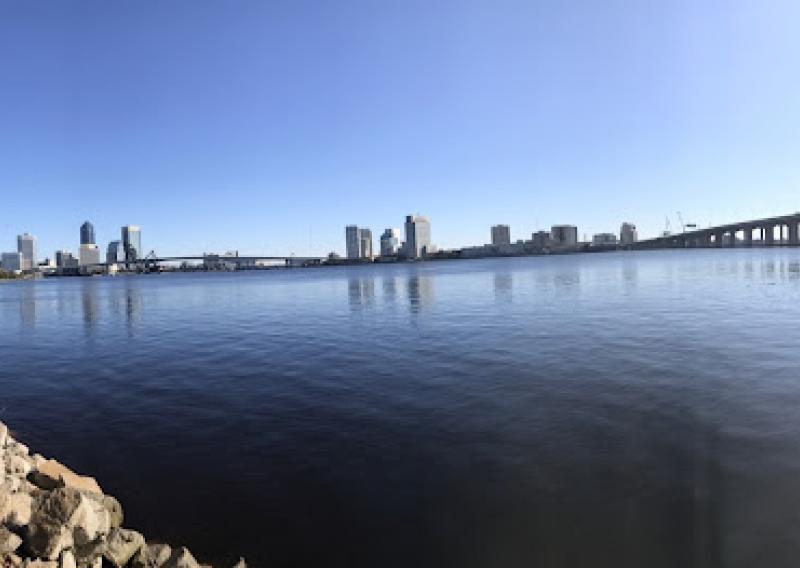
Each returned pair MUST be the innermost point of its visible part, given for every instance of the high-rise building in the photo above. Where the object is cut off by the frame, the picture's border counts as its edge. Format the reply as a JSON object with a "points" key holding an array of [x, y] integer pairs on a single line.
{"points": [[87, 234], [353, 242], [365, 242], [564, 235], [132, 242], [359, 242], [11, 261], [390, 242], [88, 255], [26, 245], [418, 237], [115, 253], [541, 239], [501, 235], [628, 234]]}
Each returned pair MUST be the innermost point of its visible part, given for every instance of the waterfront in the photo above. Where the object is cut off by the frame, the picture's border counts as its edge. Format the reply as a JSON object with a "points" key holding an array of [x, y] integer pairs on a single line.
{"points": [[623, 409]]}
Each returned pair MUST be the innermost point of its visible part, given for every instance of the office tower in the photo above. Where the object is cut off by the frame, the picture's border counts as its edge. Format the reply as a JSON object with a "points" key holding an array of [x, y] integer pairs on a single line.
{"points": [[11, 261], [132, 242], [418, 237], [564, 235], [541, 239], [365, 242], [628, 234], [390, 242], [64, 259], [115, 253], [26, 245], [353, 242], [87, 234], [501, 235], [88, 255]]}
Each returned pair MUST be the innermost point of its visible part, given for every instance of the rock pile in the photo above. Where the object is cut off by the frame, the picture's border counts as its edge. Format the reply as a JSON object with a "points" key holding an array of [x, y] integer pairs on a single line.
{"points": [[51, 517]]}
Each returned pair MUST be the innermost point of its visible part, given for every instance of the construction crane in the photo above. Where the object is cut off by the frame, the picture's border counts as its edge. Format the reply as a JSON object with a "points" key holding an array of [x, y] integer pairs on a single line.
{"points": [[685, 226], [667, 229]]}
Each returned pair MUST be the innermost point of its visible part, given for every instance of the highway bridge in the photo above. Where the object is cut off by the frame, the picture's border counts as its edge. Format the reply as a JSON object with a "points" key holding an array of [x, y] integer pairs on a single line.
{"points": [[772, 231]]}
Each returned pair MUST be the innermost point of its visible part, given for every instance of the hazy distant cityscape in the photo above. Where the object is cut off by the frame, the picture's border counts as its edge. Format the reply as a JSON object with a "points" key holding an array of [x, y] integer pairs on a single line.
{"points": [[413, 243]]}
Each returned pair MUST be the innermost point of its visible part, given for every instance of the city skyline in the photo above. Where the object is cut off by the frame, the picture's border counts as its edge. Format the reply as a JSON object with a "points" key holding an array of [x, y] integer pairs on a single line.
{"points": [[202, 128]]}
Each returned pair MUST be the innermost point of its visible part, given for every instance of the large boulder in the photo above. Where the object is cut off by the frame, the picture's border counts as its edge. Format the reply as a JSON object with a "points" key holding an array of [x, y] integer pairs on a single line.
{"points": [[17, 465], [65, 517], [15, 508], [151, 556], [114, 510], [9, 542], [121, 546], [181, 558], [51, 474]]}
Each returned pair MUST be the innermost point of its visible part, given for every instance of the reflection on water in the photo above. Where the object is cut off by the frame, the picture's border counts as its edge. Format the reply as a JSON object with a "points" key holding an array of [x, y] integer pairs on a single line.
{"points": [[613, 411]]}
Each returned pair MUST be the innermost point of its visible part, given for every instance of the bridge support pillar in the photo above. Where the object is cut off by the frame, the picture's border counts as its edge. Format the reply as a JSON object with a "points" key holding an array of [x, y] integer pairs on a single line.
{"points": [[748, 236], [794, 233], [769, 235]]}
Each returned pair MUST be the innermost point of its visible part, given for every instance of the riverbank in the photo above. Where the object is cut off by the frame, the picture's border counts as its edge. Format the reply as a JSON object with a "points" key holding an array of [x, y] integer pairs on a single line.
{"points": [[51, 517]]}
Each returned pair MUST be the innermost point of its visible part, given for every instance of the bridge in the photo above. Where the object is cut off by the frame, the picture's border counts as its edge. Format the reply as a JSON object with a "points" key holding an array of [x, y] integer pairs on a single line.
{"points": [[772, 231]]}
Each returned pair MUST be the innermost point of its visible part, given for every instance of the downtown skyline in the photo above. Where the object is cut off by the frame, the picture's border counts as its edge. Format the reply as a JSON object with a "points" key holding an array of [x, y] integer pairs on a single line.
{"points": [[266, 127]]}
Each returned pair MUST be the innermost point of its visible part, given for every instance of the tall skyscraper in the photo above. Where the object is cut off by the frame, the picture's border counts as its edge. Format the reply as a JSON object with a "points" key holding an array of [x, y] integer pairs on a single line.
{"points": [[501, 235], [628, 234], [132, 242], [564, 235], [115, 253], [87, 234], [353, 242], [390, 242], [26, 245], [359, 242], [418, 237]]}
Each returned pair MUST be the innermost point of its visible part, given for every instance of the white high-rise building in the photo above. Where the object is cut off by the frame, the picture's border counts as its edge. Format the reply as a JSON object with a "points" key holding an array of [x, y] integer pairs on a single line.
{"points": [[628, 234], [88, 254], [501, 235], [390, 242], [365, 242], [26, 245], [418, 237]]}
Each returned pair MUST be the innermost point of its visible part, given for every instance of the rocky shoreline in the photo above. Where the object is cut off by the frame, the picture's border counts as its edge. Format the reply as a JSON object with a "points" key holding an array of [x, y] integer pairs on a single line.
{"points": [[51, 517]]}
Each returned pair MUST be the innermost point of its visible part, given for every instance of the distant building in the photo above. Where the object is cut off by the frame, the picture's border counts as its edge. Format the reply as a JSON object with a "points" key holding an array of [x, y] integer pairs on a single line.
{"points": [[359, 242], [64, 259], [115, 253], [628, 234], [26, 245], [11, 261], [541, 239], [87, 234], [132, 242], [88, 254], [390, 242], [501, 235], [564, 235], [604, 239], [418, 237], [365, 242]]}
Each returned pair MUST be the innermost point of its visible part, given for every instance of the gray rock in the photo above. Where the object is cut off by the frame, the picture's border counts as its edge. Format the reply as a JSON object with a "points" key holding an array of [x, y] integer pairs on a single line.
{"points": [[9, 542], [114, 510], [181, 558], [65, 517], [122, 545], [151, 556], [15, 508]]}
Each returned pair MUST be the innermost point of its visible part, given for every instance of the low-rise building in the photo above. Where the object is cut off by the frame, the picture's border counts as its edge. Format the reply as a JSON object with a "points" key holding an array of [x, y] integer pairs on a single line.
{"points": [[12, 262], [604, 239]]}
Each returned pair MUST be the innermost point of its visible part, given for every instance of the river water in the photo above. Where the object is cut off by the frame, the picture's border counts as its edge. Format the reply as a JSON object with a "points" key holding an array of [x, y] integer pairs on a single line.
{"points": [[619, 410]]}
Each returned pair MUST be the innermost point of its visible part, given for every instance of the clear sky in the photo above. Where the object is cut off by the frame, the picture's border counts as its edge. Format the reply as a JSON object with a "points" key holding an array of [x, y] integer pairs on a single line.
{"points": [[267, 126]]}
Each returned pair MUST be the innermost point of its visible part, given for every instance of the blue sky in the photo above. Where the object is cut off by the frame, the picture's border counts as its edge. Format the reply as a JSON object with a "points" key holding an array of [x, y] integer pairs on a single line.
{"points": [[267, 126]]}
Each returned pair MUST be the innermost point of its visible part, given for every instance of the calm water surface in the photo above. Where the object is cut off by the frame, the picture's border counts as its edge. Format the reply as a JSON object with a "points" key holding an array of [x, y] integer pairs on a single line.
{"points": [[619, 410]]}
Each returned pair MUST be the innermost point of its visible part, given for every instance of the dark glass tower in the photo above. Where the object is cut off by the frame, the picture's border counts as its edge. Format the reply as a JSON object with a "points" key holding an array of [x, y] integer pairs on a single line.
{"points": [[87, 234]]}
